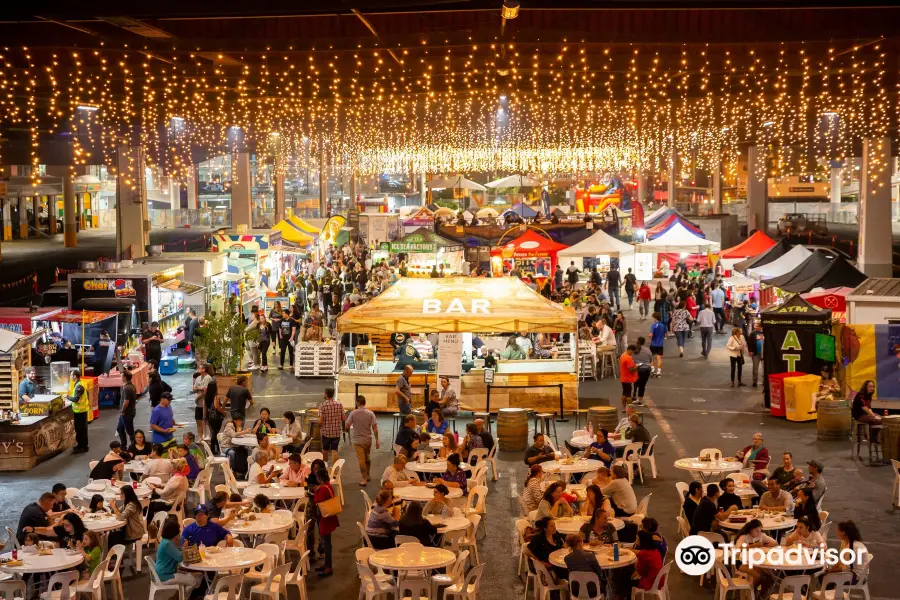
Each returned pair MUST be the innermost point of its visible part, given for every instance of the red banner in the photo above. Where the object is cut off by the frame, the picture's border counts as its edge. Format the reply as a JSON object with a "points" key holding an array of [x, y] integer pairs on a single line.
{"points": [[637, 215]]}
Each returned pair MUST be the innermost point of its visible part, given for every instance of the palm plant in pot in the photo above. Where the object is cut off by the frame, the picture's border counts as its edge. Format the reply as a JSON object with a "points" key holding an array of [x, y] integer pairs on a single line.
{"points": [[221, 343]]}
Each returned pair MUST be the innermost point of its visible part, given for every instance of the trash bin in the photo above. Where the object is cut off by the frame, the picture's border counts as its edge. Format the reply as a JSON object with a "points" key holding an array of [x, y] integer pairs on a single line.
{"points": [[776, 392], [799, 395]]}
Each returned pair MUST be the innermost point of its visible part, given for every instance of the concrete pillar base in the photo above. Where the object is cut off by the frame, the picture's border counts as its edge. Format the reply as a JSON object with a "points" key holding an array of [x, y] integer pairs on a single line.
{"points": [[875, 259]]}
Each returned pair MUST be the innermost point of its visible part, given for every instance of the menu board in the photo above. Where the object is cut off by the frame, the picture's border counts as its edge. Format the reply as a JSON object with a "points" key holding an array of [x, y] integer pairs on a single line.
{"points": [[450, 359]]}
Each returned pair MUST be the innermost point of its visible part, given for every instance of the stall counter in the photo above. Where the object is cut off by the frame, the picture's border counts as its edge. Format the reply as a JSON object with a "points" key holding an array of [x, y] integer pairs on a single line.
{"points": [[35, 439], [379, 390]]}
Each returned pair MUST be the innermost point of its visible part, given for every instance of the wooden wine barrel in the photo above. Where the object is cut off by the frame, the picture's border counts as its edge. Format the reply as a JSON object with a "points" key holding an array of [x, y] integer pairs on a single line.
{"points": [[891, 448], [314, 432], [512, 429], [833, 420], [603, 417]]}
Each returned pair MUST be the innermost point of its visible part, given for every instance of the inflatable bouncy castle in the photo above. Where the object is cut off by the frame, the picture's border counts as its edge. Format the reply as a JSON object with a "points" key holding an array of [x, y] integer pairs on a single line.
{"points": [[596, 198]]}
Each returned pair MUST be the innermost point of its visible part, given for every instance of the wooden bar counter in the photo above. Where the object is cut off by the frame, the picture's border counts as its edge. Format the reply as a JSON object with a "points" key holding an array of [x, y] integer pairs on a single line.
{"points": [[379, 390], [35, 439]]}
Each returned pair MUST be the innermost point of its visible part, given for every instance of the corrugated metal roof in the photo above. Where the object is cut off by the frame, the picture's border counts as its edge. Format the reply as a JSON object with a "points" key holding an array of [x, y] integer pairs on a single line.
{"points": [[875, 287]]}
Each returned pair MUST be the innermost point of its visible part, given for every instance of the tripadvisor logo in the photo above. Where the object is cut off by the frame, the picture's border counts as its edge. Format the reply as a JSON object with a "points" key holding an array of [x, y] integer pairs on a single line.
{"points": [[695, 555]]}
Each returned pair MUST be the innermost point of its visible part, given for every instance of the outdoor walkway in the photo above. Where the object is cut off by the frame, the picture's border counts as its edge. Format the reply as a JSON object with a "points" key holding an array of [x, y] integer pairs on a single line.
{"points": [[690, 407]]}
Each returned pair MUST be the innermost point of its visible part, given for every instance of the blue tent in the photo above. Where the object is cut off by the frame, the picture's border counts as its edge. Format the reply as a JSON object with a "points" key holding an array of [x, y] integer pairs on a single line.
{"points": [[523, 210]]}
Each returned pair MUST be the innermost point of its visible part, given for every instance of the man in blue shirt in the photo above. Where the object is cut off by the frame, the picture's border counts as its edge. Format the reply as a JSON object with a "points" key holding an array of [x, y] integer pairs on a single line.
{"points": [[206, 532], [162, 421], [717, 297], [27, 388], [657, 339], [602, 449]]}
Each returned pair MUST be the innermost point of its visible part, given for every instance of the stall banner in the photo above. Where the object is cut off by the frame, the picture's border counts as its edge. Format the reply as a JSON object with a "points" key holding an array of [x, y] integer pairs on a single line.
{"points": [[871, 352], [450, 360], [825, 347], [790, 349], [643, 266]]}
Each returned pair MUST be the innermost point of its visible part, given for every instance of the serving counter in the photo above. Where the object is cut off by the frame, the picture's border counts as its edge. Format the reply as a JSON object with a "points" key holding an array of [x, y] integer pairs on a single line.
{"points": [[532, 384], [35, 438]]}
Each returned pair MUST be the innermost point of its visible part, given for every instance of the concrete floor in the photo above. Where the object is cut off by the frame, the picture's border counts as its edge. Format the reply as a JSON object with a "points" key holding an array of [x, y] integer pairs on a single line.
{"points": [[691, 407]]}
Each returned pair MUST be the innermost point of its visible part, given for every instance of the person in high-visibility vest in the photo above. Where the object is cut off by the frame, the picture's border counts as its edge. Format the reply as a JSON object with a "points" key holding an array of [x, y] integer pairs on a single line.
{"points": [[81, 404]]}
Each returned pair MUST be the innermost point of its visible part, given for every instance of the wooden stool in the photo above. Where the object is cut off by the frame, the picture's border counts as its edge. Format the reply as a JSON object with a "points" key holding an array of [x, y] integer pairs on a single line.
{"points": [[579, 414], [873, 435], [587, 365], [396, 423], [542, 422], [608, 360]]}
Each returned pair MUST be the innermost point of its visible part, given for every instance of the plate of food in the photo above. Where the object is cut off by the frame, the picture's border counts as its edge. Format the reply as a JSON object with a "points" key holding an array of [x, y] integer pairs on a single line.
{"points": [[8, 562]]}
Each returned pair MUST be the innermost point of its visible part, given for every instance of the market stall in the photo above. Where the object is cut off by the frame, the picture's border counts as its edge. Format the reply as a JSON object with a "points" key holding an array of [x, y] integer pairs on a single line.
{"points": [[247, 252], [677, 239], [419, 218], [833, 299], [822, 269], [780, 265], [781, 248], [425, 249], [533, 253], [756, 244], [456, 308], [205, 272], [15, 356], [597, 251], [293, 233], [792, 332], [869, 347]]}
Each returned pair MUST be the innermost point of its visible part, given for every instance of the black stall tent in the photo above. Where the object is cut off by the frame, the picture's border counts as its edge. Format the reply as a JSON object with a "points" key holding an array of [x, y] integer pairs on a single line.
{"points": [[822, 269], [789, 344], [773, 253]]}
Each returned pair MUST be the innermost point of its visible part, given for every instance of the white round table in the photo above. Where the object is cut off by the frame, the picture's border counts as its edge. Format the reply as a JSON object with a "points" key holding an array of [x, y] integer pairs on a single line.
{"points": [[567, 525], [799, 561], [263, 523], [433, 466], [412, 558], [603, 554], [60, 560], [275, 491], [101, 523], [227, 559], [707, 468], [421, 493], [583, 441], [579, 465], [135, 466], [770, 521], [114, 492], [437, 441], [250, 440], [448, 524]]}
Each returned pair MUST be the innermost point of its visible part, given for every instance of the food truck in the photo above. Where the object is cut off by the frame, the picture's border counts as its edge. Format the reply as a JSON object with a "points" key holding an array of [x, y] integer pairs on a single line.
{"points": [[205, 271]]}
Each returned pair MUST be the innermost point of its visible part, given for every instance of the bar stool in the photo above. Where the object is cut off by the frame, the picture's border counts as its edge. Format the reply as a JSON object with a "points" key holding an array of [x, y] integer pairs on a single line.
{"points": [[542, 423], [580, 413], [587, 365], [608, 360], [873, 434], [396, 423], [486, 416]]}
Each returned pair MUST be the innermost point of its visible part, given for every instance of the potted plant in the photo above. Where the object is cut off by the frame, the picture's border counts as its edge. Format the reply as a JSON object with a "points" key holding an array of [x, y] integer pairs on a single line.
{"points": [[221, 343]]}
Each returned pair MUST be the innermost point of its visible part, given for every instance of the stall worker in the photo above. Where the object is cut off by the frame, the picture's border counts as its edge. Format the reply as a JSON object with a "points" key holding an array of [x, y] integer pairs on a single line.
{"points": [[81, 404], [27, 387]]}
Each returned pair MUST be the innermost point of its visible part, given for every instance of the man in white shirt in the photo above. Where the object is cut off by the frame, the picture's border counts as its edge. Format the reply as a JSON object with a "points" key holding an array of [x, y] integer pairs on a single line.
{"points": [[524, 342], [776, 499], [620, 493], [717, 297], [607, 337], [625, 424], [706, 320], [158, 466]]}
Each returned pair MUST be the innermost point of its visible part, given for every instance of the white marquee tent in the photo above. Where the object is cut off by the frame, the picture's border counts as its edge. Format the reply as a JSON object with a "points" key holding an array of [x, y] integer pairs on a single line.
{"points": [[678, 239], [598, 244], [781, 265]]}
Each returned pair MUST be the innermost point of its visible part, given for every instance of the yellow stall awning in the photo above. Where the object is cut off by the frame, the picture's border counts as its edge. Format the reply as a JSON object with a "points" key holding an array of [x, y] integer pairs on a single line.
{"points": [[459, 304]]}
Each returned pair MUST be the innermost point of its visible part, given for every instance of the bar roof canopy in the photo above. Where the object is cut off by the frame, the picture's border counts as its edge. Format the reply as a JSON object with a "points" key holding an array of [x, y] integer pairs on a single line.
{"points": [[458, 304]]}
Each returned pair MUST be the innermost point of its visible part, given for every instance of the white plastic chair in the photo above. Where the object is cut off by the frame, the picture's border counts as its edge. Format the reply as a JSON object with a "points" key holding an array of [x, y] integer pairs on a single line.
{"points": [[227, 588], [367, 502], [371, 586], [479, 474], [492, 460], [683, 528], [650, 457], [739, 478], [469, 540], [414, 589], [521, 526], [93, 587], [309, 457], [840, 591], [157, 586], [12, 538], [468, 590], [201, 485], [643, 507], [476, 502], [455, 575], [13, 588], [631, 460], [298, 544], [362, 558], [336, 472], [235, 543], [112, 574], [260, 573], [543, 582], [275, 584], [579, 433], [794, 583], [92, 464], [364, 537], [725, 583], [824, 530], [65, 582], [177, 508], [584, 582], [399, 540], [862, 585], [657, 591], [822, 497], [236, 486], [477, 456], [716, 539], [298, 578], [138, 547]]}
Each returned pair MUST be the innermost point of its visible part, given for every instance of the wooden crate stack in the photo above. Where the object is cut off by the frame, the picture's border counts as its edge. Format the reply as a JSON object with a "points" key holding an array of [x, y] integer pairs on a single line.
{"points": [[9, 382]]}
